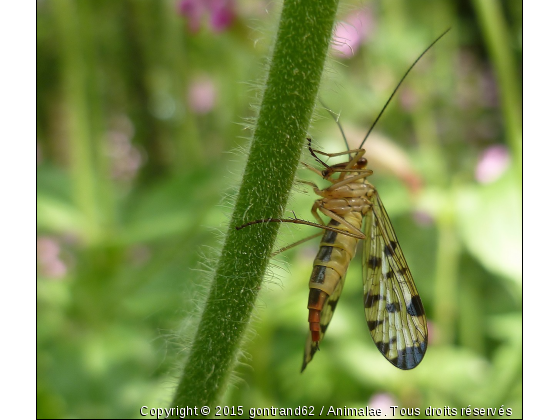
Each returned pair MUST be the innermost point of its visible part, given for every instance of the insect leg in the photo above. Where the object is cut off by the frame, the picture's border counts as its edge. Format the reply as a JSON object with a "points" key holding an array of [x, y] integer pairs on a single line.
{"points": [[350, 166], [301, 222], [312, 169], [361, 174], [347, 152], [314, 152], [301, 241], [351, 163], [354, 232]]}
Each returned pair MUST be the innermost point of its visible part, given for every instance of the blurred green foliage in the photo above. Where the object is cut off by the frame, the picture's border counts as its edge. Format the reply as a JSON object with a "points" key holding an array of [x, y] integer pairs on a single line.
{"points": [[138, 113]]}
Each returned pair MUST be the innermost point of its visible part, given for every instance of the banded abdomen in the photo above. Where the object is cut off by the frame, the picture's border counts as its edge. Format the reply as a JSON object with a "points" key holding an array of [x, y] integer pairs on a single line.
{"points": [[329, 268]]}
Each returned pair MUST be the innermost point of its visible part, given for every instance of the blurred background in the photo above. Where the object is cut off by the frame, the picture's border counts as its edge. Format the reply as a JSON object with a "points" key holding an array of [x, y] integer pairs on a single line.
{"points": [[142, 111]]}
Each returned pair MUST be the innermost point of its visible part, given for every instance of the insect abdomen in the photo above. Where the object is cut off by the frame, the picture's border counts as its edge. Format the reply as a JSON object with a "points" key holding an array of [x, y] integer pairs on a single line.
{"points": [[329, 267]]}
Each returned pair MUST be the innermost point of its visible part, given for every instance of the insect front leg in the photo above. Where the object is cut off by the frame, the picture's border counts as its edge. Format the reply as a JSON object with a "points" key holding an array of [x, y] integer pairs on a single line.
{"points": [[359, 152], [361, 174], [357, 162]]}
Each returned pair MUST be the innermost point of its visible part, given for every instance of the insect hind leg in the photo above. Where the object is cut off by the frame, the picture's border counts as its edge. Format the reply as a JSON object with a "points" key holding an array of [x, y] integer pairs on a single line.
{"points": [[297, 221]]}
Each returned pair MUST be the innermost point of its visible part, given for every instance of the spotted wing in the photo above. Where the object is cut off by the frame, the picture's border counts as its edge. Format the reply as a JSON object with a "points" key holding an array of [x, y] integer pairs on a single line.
{"points": [[394, 311], [326, 316]]}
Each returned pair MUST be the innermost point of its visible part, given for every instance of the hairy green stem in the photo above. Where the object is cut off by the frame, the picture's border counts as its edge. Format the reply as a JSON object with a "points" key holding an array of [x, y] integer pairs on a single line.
{"points": [[291, 89]]}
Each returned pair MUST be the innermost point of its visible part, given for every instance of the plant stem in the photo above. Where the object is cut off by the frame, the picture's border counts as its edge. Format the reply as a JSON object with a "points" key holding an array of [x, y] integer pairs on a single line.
{"points": [[78, 114], [447, 266], [495, 33], [295, 72]]}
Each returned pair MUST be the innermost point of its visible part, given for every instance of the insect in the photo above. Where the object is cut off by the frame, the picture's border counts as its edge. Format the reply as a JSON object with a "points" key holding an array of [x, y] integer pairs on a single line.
{"points": [[393, 309]]}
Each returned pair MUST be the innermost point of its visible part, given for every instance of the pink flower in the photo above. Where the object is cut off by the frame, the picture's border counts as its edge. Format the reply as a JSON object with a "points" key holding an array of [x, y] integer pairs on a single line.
{"points": [[433, 333], [384, 401], [221, 13], [202, 95], [423, 218], [193, 11], [492, 164], [351, 32], [126, 159], [49, 263]]}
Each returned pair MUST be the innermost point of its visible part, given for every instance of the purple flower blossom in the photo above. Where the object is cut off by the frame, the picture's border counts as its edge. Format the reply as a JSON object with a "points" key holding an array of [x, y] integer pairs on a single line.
{"points": [[126, 159], [384, 401], [492, 164], [423, 218], [202, 95], [221, 13], [193, 11], [433, 333], [49, 263], [351, 32]]}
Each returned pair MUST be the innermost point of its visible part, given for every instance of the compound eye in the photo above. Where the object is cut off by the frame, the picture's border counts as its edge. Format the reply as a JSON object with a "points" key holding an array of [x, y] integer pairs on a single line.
{"points": [[362, 162]]}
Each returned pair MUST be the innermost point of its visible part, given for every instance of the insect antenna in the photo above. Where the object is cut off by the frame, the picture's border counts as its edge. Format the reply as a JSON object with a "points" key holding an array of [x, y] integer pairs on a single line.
{"points": [[394, 91]]}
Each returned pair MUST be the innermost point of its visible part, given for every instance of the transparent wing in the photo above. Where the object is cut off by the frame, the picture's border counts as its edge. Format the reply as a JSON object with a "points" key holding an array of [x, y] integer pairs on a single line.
{"points": [[394, 311], [326, 316]]}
